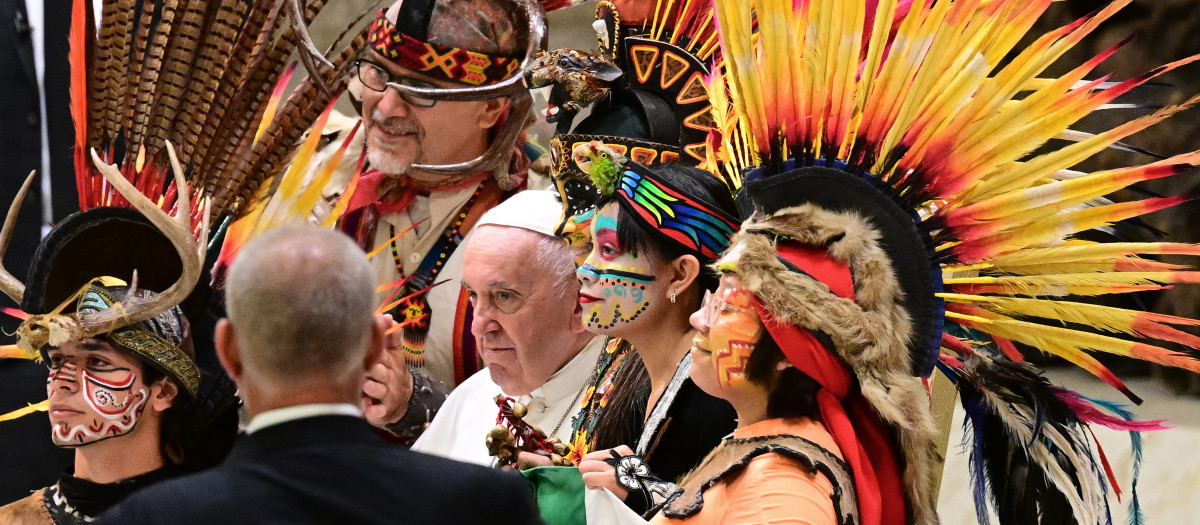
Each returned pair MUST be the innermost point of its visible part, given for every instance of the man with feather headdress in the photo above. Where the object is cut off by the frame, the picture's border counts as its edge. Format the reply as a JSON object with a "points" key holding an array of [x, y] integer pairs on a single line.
{"points": [[443, 106]]}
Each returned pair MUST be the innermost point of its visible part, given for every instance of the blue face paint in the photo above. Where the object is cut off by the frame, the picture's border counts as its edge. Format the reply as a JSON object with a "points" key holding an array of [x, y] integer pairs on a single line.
{"points": [[615, 280]]}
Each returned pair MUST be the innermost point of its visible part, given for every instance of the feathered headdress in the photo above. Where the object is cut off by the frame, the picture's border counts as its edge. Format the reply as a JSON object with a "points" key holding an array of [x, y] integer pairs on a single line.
{"points": [[201, 76], [174, 112], [903, 142], [653, 72]]}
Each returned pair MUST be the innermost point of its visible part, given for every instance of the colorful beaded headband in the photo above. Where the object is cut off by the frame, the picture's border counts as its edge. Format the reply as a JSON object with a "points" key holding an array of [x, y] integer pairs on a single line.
{"points": [[698, 227], [442, 62]]}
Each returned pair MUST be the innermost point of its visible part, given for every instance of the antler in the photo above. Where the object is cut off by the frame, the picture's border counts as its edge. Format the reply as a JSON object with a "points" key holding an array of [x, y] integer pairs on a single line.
{"points": [[177, 229], [309, 54], [11, 286]]}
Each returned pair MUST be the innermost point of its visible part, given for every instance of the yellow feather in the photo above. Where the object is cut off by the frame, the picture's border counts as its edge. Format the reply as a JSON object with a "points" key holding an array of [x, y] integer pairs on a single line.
{"points": [[1046, 165], [37, 407]]}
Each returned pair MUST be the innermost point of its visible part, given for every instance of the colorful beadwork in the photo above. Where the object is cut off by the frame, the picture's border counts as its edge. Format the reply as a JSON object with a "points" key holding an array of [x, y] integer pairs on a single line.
{"points": [[444, 62]]}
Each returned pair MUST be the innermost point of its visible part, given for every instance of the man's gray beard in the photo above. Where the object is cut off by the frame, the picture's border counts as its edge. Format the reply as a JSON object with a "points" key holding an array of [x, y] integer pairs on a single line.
{"points": [[386, 162]]}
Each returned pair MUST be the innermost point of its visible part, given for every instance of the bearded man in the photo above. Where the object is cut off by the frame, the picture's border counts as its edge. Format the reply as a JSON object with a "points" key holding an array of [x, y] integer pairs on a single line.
{"points": [[443, 105]]}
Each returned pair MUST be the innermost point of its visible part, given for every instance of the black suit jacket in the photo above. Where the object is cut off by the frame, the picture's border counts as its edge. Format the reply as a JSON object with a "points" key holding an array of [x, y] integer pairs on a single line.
{"points": [[335, 470]]}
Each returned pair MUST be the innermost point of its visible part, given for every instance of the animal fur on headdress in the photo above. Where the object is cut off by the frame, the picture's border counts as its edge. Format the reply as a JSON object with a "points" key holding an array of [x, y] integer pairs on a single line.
{"points": [[870, 333]]}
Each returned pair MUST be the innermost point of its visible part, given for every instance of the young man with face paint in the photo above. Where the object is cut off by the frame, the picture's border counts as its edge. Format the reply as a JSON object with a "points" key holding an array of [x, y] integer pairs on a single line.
{"points": [[111, 398], [102, 304]]}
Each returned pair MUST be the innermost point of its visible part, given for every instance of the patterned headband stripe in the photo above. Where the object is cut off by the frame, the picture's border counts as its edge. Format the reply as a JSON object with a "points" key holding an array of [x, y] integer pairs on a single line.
{"points": [[141, 340], [694, 225], [443, 62]]}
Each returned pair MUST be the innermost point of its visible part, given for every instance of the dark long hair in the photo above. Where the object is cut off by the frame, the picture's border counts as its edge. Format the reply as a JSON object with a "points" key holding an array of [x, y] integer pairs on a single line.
{"points": [[793, 393], [171, 436], [621, 421], [697, 183]]}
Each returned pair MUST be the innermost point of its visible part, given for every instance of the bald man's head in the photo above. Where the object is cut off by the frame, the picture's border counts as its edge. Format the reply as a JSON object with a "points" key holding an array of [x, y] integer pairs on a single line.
{"points": [[301, 302]]}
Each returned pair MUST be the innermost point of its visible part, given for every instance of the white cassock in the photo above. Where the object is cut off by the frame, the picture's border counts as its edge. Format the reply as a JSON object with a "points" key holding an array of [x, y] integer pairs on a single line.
{"points": [[462, 424]]}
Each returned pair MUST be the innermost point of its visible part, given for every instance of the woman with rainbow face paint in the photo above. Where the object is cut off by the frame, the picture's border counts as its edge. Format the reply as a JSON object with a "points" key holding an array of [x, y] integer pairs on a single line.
{"points": [[654, 234]]}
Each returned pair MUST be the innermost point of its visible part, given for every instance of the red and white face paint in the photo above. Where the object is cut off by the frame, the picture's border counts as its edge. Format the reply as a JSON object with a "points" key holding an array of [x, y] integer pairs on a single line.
{"points": [[94, 391]]}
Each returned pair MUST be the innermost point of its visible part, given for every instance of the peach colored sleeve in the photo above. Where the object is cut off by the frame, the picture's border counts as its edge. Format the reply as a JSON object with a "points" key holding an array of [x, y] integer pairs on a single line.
{"points": [[775, 490]]}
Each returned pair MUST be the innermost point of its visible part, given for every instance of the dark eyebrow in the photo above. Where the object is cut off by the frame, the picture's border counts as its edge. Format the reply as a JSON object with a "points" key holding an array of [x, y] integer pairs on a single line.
{"points": [[92, 345]]}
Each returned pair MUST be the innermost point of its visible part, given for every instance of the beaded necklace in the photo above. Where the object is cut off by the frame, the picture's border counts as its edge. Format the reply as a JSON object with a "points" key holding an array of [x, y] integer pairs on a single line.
{"points": [[414, 312]]}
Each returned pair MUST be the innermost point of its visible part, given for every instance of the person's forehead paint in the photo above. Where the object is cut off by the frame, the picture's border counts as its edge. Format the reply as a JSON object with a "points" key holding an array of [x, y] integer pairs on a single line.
{"points": [[622, 266], [620, 277]]}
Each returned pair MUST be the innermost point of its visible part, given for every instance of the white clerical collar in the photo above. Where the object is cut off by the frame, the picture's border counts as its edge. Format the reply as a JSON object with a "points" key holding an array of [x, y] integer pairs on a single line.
{"points": [[292, 413], [567, 380]]}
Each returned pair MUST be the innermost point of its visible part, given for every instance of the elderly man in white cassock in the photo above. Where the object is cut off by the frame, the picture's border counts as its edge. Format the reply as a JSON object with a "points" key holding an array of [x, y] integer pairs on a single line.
{"points": [[521, 280]]}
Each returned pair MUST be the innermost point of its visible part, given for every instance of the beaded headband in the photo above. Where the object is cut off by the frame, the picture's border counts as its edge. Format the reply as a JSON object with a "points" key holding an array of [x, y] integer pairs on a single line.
{"points": [[442, 62], [698, 227]]}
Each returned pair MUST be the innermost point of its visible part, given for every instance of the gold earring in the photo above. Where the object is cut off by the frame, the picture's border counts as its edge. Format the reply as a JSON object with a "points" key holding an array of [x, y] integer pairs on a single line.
{"points": [[672, 297]]}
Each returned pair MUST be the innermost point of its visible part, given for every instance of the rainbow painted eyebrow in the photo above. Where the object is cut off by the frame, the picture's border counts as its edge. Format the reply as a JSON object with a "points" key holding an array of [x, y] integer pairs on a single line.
{"points": [[601, 273]]}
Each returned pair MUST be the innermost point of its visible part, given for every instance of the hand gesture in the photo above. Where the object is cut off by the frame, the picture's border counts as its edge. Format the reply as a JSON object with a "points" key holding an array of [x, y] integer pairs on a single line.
{"points": [[389, 384]]}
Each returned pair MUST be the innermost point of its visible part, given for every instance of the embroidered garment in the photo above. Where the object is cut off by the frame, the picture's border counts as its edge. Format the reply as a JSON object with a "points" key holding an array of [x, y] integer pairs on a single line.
{"points": [[74, 501], [595, 399]]}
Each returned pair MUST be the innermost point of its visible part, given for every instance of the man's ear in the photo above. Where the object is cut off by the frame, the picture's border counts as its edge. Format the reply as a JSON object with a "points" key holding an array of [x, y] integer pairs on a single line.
{"points": [[376, 344], [493, 110], [684, 270], [165, 396], [227, 349]]}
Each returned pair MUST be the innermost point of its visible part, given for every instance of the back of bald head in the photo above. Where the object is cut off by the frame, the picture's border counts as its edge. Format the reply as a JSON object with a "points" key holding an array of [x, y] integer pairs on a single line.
{"points": [[301, 302]]}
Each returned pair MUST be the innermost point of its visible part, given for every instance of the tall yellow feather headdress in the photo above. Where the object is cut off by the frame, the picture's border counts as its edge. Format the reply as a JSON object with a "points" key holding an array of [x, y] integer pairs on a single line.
{"points": [[923, 128]]}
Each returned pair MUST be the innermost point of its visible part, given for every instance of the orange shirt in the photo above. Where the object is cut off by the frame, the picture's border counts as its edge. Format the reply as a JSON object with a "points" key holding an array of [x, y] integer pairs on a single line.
{"points": [[773, 489]]}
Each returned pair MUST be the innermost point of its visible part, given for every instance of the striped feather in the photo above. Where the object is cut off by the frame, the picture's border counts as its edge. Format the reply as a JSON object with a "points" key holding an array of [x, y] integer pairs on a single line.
{"points": [[179, 63], [1058, 285], [297, 115], [1019, 233], [1057, 340], [212, 57], [261, 15], [148, 76], [1147, 325], [116, 31]]}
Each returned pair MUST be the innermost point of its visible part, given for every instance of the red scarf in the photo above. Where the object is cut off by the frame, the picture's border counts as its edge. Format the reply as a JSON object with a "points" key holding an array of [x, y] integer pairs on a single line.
{"points": [[373, 189], [865, 440]]}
